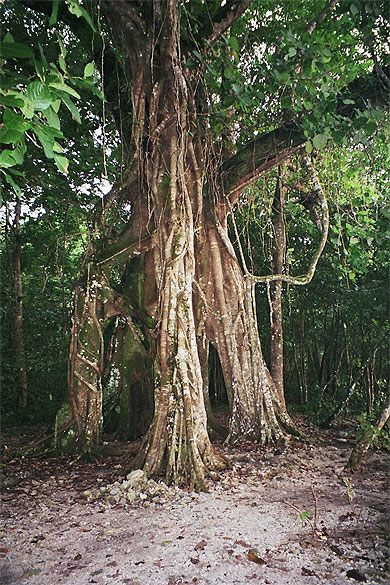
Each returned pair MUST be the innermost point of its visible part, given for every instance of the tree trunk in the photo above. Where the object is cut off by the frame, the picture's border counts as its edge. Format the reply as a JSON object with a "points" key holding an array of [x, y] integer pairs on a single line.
{"points": [[369, 436], [173, 161], [86, 368], [20, 357], [95, 304], [278, 254], [256, 410]]}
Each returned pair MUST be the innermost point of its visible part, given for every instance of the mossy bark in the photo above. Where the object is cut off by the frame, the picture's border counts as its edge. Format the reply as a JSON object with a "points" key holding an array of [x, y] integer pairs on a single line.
{"points": [[136, 395]]}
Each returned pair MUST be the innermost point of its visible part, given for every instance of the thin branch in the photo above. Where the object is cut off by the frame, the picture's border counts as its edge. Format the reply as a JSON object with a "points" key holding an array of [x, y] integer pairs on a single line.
{"points": [[324, 214], [381, 74], [224, 19], [313, 23]]}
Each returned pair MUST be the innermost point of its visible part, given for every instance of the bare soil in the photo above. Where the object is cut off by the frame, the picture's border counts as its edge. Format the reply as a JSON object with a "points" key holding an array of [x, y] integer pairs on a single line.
{"points": [[251, 527]]}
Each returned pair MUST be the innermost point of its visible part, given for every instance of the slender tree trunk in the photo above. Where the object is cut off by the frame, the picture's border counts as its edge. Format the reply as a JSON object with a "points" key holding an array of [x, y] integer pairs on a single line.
{"points": [[278, 254], [95, 304], [20, 357], [369, 436]]}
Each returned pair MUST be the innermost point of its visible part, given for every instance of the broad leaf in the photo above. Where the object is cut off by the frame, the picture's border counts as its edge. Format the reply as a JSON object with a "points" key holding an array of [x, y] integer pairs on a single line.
{"points": [[13, 127], [89, 69], [62, 163], [12, 101], [65, 88], [15, 50], [38, 95]]}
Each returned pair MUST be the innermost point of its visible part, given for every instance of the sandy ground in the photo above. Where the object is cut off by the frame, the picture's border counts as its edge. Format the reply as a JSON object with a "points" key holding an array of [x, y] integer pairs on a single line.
{"points": [[249, 528]]}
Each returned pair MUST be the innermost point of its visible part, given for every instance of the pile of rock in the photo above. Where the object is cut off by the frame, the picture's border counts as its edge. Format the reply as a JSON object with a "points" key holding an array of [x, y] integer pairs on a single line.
{"points": [[135, 490]]}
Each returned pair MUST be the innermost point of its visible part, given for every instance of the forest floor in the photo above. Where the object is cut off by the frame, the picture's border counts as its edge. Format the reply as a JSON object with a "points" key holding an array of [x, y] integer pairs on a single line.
{"points": [[251, 527]]}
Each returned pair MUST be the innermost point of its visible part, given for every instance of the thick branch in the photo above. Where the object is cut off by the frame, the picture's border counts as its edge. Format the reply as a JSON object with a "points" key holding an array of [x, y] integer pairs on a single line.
{"points": [[260, 155]]}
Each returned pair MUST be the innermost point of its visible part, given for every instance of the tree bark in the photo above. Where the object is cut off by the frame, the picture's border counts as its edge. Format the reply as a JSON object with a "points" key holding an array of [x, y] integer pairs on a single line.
{"points": [[20, 356], [231, 326], [278, 254]]}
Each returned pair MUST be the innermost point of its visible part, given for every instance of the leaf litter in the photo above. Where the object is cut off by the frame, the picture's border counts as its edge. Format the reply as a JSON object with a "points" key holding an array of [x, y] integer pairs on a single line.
{"points": [[279, 516]]}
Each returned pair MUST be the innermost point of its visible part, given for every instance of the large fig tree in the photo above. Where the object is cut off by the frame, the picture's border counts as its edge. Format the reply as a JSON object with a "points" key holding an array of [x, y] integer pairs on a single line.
{"points": [[207, 97]]}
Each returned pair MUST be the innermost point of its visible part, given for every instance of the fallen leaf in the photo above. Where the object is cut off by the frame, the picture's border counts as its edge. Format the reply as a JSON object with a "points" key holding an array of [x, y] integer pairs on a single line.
{"points": [[31, 572], [194, 561], [38, 538], [357, 575], [308, 572], [254, 557], [336, 550], [78, 557], [242, 543], [200, 545], [3, 550]]}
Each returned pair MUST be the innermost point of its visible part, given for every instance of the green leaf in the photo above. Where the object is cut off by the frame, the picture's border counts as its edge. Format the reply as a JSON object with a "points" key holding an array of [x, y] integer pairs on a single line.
{"points": [[229, 72], [28, 109], [309, 147], [90, 85], [38, 95], [11, 100], [320, 141], [10, 157], [284, 77], [78, 10], [15, 50], [7, 158], [14, 185], [57, 147], [62, 47], [89, 69], [52, 118], [198, 55], [52, 132], [54, 12], [8, 38], [56, 105], [191, 64], [74, 8], [62, 63], [354, 9], [338, 136], [233, 43], [71, 107], [371, 127], [286, 102], [46, 141], [13, 128], [65, 88], [62, 163]]}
